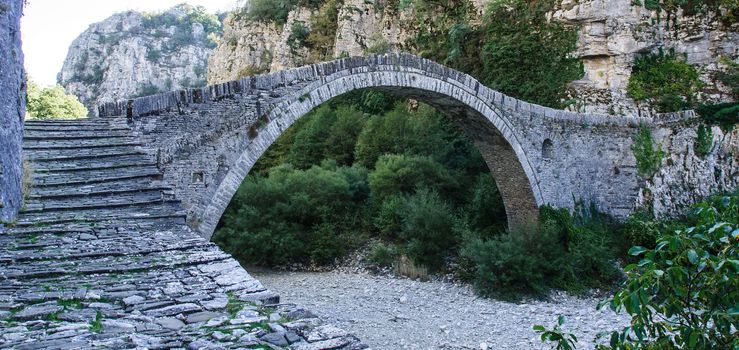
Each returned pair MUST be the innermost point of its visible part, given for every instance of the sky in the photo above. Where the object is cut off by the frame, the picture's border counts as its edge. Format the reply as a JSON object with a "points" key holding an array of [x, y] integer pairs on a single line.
{"points": [[48, 27]]}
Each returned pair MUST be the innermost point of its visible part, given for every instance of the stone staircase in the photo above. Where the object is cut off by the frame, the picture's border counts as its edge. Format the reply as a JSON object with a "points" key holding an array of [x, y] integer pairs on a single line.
{"points": [[100, 257]]}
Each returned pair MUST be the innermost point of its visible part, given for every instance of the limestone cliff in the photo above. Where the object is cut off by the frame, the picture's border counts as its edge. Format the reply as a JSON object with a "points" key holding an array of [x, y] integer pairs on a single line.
{"points": [[685, 176], [132, 53], [611, 34], [12, 109]]}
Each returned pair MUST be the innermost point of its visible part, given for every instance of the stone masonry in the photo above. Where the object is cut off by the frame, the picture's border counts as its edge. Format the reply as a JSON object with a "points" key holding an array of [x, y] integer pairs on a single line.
{"points": [[12, 108], [207, 139], [100, 257]]}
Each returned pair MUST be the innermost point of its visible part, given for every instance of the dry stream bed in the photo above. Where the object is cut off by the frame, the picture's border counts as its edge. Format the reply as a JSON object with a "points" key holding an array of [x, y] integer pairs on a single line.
{"points": [[386, 312]]}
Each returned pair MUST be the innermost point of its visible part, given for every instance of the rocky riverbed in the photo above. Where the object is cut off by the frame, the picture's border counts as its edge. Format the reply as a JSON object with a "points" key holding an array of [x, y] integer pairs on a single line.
{"points": [[398, 313]]}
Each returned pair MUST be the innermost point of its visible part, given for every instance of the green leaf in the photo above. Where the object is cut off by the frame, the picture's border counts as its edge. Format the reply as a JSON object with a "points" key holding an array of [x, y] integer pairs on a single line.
{"points": [[659, 273], [539, 328], [561, 320], [637, 250], [716, 226], [693, 339], [692, 256], [734, 311]]}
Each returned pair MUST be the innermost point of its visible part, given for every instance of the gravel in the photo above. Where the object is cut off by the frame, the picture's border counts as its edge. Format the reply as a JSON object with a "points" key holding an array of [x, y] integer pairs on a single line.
{"points": [[386, 312]]}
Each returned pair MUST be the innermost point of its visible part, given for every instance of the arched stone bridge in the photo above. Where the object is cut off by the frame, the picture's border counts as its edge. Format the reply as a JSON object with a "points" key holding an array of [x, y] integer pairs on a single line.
{"points": [[206, 140]]}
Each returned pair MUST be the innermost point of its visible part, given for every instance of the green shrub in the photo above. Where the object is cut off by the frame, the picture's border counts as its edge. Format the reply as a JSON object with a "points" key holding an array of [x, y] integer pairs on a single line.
{"points": [[292, 216], [298, 33], [324, 23], [427, 230], [704, 141], [664, 81], [401, 174], [526, 55], [389, 217], [147, 89], [565, 252], [648, 157], [485, 210], [183, 23], [683, 294], [270, 10], [725, 115], [330, 133], [422, 132], [513, 263], [382, 255], [153, 55]]}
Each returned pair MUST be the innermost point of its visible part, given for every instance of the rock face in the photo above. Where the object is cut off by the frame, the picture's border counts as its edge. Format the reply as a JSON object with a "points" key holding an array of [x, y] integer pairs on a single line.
{"points": [[131, 54], [611, 34], [686, 177], [12, 108]]}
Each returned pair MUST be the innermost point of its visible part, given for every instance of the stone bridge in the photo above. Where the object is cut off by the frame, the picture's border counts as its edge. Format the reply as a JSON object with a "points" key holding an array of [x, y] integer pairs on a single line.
{"points": [[206, 140]]}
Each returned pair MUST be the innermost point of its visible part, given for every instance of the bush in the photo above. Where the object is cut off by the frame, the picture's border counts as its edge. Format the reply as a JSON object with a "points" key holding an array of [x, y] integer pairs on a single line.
{"points": [[292, 216], [485, 210], [663, 81], [683, 294], [648, 157], [427, 230], [704, 141], [329, 134], [512, 263], [725, 115], [565, 251], [298, 33], [389, 217], [422, 132], [147, 89], [183, 23], [400, 174], [382, 255], [526, 55]]}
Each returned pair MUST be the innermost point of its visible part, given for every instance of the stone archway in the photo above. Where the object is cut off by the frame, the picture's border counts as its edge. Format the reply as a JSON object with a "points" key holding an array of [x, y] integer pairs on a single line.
{"points": [[488, 127], [206, 140]]}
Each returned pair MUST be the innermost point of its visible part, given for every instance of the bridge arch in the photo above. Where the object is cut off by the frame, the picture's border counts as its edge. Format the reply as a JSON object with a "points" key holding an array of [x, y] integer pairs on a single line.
{"points": [[461, 99]]}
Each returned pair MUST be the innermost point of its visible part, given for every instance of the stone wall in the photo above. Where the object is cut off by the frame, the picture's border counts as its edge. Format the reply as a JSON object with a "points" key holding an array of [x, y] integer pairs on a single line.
{"points": [[12, 108], [208, 139]]}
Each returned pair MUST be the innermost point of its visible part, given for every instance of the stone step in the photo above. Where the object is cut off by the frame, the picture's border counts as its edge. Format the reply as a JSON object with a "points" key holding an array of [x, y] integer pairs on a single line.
{"points": [[68, 168], [108, 162], [104, 200], [58, 121], [96, 243], [95, 176], [112, 188], [116, 264], [41, 156], [142, 212], [35, 135], [101, 128], [80, 144]]}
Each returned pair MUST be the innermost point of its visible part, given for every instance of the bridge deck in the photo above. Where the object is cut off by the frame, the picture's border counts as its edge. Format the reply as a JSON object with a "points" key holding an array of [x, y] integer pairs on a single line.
{"points": [[101, 257]]}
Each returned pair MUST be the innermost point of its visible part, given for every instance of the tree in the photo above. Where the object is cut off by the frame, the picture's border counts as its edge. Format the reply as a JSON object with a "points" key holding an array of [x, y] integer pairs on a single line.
{"points": [[664, 81], [526, 55], [52, 103]]}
